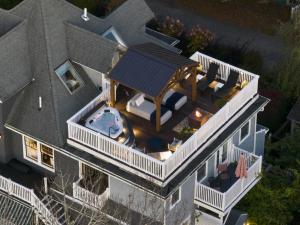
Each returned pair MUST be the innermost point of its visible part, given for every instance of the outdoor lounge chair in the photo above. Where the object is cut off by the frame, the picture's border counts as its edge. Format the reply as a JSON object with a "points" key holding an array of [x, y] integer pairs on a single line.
{"points": [[230, 83], [141, 107], [174, 100], [210, 77]]}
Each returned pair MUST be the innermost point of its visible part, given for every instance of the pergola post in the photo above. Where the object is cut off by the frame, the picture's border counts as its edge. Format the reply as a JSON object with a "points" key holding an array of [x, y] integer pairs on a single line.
{"points": [[194, 84], [112, 92], [158, 112]]}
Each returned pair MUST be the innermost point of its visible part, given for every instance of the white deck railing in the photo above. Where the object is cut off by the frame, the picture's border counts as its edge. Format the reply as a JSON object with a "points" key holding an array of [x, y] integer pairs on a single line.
{"points": [[222, 201], [88, 197], [27, 195], [147, 164]]}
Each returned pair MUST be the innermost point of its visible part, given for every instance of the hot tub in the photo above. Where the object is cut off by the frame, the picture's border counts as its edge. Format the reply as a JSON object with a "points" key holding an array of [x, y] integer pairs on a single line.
{"points": [[106, 121]]}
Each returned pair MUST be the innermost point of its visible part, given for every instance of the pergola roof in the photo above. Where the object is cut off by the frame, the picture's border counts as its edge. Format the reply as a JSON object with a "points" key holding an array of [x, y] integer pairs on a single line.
{"points": [[148, 68]]}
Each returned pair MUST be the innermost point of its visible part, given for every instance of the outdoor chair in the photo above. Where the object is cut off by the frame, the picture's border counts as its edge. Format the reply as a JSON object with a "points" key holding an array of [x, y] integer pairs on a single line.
{"points": [[210, 77], [230, 83], [174, 100]]}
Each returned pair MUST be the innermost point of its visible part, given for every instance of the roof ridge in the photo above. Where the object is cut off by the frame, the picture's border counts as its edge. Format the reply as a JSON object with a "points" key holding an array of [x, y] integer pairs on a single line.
{"points": [[49, 65]]}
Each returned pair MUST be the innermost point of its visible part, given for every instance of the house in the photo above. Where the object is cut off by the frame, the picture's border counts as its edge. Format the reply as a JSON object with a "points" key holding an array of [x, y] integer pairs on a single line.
{"points": [[142, 130]]}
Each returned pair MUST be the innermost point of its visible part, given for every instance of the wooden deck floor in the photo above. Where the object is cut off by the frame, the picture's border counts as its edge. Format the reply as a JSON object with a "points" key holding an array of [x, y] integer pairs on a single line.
{"points": [[144, 130]]}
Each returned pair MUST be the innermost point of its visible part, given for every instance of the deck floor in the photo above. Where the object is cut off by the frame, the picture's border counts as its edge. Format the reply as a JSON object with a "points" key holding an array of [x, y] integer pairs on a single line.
{"points": [[144, 130]]}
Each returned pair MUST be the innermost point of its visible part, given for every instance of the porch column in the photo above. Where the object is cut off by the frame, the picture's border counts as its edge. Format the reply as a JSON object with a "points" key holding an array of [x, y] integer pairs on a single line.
{"points": [[158, 112], [194, 84], [112, 92]]}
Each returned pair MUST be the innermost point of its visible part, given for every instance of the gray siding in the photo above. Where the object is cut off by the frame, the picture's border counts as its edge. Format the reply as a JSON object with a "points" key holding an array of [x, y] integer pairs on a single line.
{"points": [[185, 208], [136, 199], [249, 143]]}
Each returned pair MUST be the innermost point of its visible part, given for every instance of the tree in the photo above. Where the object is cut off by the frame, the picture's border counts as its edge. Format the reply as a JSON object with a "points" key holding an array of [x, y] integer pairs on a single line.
{"points": [[276, 199], [198, 39]]}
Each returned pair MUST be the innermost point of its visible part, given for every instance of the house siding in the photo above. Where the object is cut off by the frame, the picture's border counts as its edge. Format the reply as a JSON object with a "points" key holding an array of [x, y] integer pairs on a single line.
{"points": [[249, 143], [185, 208], [136, 199]]}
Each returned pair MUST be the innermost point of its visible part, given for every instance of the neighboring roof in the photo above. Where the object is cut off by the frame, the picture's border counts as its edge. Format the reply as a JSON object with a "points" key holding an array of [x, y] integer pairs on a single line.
{"points": [[186, 172], [294, 114], [236, 217], [148, 68], [14, 212]]}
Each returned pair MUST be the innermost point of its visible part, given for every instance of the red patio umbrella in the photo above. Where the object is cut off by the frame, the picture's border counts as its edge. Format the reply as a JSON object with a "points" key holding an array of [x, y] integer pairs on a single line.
{"points": [[241, 169]]}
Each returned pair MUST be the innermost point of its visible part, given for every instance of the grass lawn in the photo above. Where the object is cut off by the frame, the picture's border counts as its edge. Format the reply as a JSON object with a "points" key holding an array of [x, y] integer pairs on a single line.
{"points": [[263, 17]]}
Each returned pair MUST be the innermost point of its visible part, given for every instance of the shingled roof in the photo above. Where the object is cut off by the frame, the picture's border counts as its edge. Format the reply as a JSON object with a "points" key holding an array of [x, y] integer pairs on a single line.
{"points": [[36, 37], [148, 68]]}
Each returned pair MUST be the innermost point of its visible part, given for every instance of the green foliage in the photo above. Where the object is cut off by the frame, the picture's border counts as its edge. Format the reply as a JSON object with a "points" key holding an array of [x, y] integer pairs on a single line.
{"points": [[8, 4], [171, 27], [198, 39], [186, 132], [276, 199]]}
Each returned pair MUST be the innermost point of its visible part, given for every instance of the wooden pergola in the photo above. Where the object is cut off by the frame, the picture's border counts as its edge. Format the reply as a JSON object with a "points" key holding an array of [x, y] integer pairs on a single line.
{"points": [[157, 62]]}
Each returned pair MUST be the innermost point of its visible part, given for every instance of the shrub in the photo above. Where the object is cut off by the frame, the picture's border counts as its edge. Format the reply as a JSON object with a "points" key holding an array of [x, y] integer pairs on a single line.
{"points": [[198, 39], [171, 27]]}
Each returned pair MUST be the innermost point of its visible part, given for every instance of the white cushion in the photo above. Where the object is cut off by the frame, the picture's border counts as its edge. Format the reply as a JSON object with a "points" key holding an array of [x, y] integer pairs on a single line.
{"points": [[167, 95], [139, 100]]}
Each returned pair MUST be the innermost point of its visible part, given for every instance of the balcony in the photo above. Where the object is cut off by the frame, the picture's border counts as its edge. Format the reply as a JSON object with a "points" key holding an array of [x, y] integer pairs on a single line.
{"points": [[92, 187], [138, 157], [221, 199]]}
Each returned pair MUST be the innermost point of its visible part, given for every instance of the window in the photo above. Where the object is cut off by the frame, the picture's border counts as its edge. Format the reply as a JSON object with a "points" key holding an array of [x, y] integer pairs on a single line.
{"points": [[201, 173], [113, 35], [31, 149], [68, 75], [47, 156], [244, 132], [175, 197], [224, 153], [38, 153]]}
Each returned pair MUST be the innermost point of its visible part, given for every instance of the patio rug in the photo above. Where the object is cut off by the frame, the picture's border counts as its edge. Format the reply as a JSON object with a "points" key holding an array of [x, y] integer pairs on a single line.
{"points": [[184, 123]]}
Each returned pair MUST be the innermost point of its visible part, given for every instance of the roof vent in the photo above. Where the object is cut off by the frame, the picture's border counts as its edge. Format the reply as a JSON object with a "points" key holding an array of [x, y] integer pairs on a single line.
{"points": [[40, 102], [84, 15]]}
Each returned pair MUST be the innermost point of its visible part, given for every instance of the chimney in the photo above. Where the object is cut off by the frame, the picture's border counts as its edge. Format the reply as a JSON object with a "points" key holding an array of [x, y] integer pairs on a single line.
{"points": [[84, 15]]}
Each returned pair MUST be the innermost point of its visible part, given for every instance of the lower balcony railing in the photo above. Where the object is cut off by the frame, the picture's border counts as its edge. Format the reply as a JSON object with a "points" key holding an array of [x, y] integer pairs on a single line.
{"points": [[88, 197], [224, 200]]}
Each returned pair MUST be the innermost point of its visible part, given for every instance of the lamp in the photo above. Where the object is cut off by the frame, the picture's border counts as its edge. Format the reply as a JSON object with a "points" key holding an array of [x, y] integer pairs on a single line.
{"points": [[0, 137], [198, 113]]}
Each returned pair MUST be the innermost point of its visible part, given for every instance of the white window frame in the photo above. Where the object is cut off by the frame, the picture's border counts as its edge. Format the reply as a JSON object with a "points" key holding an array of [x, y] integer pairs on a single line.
{"points": [[187, 220], [116, 35], [248, 134], [205, 176], [77, 77], [179, 198], [39, 156]]}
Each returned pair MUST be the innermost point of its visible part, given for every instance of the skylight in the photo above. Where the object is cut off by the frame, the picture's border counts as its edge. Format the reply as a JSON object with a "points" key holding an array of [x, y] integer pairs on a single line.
{"points": [[113, 35], [68, 75]]}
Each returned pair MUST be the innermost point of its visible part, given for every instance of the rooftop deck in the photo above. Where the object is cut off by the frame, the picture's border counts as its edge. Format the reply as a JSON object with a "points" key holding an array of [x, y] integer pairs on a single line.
{"points": [[136, 156]]}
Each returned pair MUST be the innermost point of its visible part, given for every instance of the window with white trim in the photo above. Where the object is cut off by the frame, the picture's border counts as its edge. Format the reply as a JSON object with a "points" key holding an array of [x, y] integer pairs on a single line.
{"points": [[69, 77], [113, 35], [175, 197], [245, 131], [201, 172], [38, 153]]}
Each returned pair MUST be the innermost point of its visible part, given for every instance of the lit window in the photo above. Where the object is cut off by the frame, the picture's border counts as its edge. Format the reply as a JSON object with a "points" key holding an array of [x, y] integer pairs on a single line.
{"points": [[201, 172], [38, 153], [31, 149], [68, 75], [175, 198], [245, 131], [47, 156]]}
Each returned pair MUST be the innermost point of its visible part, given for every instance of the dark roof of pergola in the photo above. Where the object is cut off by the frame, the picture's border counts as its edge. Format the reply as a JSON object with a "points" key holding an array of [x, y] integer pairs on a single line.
{"points": [[148, 68]]}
